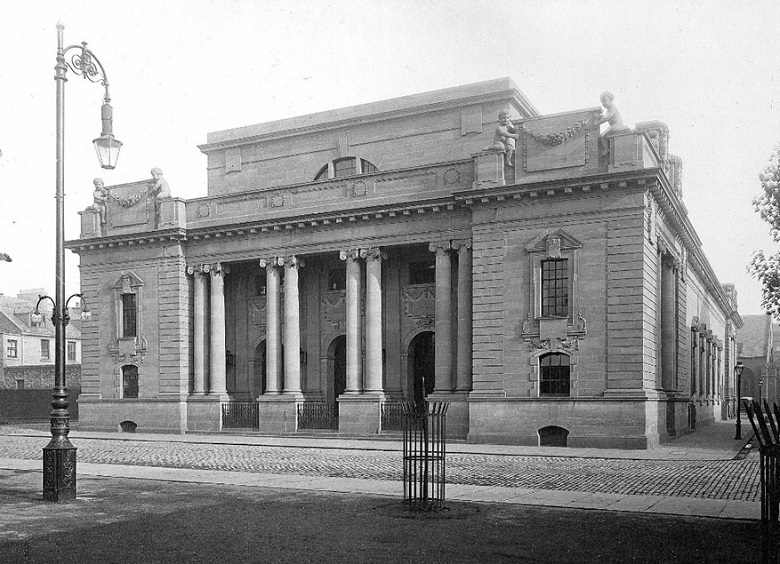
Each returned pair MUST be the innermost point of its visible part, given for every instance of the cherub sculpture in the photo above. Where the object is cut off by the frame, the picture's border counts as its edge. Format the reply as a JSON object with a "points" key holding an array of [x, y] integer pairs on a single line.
{"points": [[99, 199], [160, 188]]}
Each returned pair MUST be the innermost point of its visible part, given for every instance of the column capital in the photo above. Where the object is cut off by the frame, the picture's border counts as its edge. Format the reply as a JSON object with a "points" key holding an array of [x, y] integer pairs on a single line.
{"points": [[437, 246], [216, 269], [353, 254], [373, 253], [293, 261], [271, 262], [457, 244]]}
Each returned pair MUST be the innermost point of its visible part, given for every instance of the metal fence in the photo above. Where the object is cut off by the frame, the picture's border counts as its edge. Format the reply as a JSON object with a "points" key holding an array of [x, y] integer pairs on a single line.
{"points": [[392, 416], [240, 415], [425, 449], [318, 415]]}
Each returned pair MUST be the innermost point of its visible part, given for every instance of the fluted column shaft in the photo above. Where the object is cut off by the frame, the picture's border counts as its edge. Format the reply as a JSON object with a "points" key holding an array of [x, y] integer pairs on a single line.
{"points": [[292, 327], [443, 312], [354, 333], [200, 334], [465, 327], [374, 370], [273, 334], [217, 325]]}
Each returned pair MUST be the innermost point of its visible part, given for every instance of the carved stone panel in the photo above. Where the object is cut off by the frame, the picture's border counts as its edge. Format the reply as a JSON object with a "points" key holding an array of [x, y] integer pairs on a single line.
{"points": [[257, 312]]}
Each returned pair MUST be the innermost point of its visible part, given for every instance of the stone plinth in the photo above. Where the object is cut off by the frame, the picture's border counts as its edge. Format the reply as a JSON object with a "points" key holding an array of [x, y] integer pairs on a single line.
{"points": [[172, 213], [204, 414], [630, 151], [279, 413], [489, 169], [360, 414], [90, 224]]}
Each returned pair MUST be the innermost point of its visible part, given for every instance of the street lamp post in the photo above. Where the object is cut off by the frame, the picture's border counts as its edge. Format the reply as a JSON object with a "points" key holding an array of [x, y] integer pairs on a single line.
{"points": [[738, 372], [59, 456], [760, 385]]}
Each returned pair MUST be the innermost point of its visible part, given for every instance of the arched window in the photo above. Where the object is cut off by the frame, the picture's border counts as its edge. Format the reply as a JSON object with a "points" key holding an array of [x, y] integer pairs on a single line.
{"points": [[344, 167], [554, 375]]}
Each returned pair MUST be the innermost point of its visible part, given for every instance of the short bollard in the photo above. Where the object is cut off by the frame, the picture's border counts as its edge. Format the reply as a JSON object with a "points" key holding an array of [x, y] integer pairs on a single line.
{"points": [[425, 454]]}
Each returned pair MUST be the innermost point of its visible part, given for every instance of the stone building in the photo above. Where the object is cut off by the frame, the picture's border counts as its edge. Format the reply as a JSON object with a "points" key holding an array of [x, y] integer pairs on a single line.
{"points": [[345, 261], [757, 343]]}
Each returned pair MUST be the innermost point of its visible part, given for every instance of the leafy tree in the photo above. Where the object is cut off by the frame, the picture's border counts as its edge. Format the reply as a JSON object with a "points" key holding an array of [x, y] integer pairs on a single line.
{"points": [[767, 268]]}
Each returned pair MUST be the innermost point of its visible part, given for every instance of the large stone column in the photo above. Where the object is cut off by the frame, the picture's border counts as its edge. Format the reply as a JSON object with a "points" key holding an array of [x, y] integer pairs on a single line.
{"points": [[354, 333], [217, 332], [292, 326], [273, 334], [443, 312], [374, 341], [465, 327], [668, 324], [200, 335]]}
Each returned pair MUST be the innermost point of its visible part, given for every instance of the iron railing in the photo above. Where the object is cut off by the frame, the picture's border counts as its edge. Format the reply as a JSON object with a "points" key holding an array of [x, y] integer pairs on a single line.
{"points": [[240, 415], [766, 427], [318, 415], [392, 417]]}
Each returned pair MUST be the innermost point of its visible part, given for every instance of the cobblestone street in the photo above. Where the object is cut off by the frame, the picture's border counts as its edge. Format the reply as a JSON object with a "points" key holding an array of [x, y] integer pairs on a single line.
{"points": [[707, 479]]}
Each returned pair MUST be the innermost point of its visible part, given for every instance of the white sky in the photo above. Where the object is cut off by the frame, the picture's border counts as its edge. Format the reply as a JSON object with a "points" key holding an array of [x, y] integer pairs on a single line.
{"points": [[179, 69]]}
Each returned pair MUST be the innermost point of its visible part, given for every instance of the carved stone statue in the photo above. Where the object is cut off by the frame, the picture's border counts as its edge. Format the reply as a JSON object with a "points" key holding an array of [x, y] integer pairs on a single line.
{"points": [[160, 188], [611, 116], [99, 199], [505, 136]]}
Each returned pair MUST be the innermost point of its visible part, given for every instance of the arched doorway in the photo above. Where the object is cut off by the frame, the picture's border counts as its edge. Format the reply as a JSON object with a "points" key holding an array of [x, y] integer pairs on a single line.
{"points": [[339, 366], [258, 378], [422, 365]]}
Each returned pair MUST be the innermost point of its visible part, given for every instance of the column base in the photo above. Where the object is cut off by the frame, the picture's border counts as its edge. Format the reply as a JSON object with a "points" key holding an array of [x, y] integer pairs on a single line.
{"points": [[278, 413], [359, 414]]}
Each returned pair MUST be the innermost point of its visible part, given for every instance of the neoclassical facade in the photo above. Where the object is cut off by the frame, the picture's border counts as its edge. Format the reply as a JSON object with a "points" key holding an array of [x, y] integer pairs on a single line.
{"points": [[346, 261]]}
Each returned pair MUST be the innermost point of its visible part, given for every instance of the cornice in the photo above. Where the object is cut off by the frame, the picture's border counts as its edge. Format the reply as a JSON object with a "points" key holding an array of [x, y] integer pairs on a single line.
{"points": [[178, 235]]}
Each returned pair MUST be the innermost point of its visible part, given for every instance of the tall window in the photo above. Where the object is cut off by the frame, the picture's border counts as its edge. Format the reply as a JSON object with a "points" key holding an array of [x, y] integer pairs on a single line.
{"points": [[128, 315], [45, 349], [129, 381], [554, 375], [72, 351], [555, 288], [12, 350]]}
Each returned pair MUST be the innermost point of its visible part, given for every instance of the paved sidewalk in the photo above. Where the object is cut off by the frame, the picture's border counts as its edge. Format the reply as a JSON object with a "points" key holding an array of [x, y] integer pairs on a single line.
{"points": [[714, 442]]}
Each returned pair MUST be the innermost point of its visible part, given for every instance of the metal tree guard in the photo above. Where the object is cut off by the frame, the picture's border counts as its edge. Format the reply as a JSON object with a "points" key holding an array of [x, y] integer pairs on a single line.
{"points": [[425, 449]]}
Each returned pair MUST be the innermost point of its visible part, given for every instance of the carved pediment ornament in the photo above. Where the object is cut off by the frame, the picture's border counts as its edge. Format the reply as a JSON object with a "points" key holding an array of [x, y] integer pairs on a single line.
{"points": [[553, 240], [570, 343], [127, 281], [539, 344]]}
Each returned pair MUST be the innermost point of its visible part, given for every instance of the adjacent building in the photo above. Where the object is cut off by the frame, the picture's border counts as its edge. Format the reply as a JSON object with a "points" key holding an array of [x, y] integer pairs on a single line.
{"points": [[27, 357], [548, 283], [756, 344]]}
